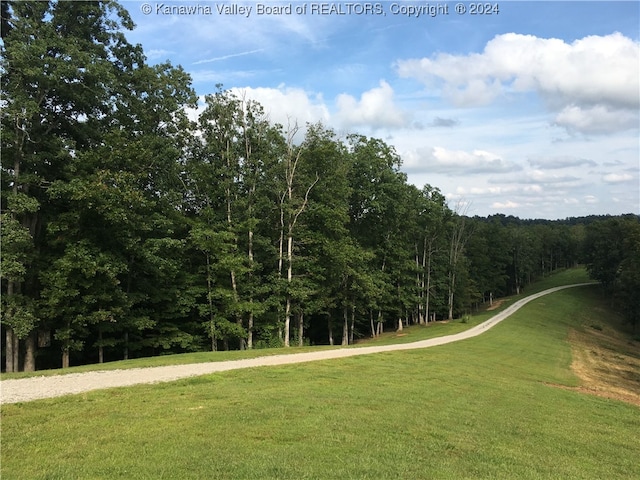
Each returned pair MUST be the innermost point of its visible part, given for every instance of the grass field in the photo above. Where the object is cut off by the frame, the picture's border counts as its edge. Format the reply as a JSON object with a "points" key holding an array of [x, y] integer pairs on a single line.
{"points": [[488, 407]]}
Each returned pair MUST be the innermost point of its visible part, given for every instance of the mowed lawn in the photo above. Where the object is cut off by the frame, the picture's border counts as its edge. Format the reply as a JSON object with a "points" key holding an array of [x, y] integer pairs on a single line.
{"points": [[489, 407]]}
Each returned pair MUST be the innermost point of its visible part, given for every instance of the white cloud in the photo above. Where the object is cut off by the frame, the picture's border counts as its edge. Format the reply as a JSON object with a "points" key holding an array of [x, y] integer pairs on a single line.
{"points": [[475, 93], [375, 109], [527, 190], [596, 119], [558, 162], [593, 82], [158, 54], [505, 205], [288, 106], [539, 177], [456, 162], [194, 113], [617, 177]]}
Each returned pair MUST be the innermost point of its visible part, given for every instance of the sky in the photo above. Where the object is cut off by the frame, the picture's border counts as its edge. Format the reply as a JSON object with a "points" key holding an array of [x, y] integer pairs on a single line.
{"points": [[529, 109]]}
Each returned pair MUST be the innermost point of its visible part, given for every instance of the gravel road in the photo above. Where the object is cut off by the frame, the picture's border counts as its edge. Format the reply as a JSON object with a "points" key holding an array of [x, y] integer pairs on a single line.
{"points": [[34, 388]]}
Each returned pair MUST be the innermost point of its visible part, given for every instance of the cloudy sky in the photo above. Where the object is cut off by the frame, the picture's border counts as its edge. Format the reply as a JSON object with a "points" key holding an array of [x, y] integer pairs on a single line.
{"points": [[531, 110]]}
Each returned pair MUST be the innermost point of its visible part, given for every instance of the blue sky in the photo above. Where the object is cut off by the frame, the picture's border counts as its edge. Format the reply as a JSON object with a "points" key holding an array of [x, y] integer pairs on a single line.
{"points": [[532, 112]]}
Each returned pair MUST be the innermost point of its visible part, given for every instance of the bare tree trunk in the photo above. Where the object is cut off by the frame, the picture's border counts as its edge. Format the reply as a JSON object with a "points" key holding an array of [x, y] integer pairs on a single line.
{"points": [[252, 190], [12, 361], [426, 271], [65, 357], [428, 290], [292, 222], [330, 330], [345, 327], [280, 264], [238, 315], [373, 329], [301, 329], [250, 319], [400, 327], [30, 353], [287, 310], [420, 285], [353, 323], [379, 327], [458, 242], [452, 279], [100, 347], [212, 325], [281, 240], [8, 351], [16, 353], [452, 283]]}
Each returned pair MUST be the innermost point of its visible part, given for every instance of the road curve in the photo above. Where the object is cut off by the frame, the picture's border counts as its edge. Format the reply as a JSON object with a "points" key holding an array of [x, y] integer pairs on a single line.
{"points": [[34, 388]]}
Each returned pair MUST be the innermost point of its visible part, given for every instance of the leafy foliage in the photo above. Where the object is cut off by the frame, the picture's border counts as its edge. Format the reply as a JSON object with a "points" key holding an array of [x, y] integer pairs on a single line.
{"points": [[612, 255]]}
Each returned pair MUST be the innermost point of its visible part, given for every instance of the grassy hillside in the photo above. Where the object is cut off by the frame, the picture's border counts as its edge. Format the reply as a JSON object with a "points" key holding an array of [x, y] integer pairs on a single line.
{"points": [[488, 407]]}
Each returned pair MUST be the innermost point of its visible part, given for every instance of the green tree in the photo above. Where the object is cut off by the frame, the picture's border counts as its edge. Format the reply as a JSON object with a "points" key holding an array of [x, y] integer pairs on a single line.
{"points": [[524, 249], [380, 202], [325, 249], [56, 63], [95, 134], [230, 179], [460, 232], [433, 215], [489, 255], [605, 250], [295, 183], [612, 255], [629, 275]]}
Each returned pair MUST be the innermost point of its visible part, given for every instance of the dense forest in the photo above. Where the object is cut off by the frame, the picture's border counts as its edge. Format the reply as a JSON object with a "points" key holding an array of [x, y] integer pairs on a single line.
{"points": [[130, 230]]}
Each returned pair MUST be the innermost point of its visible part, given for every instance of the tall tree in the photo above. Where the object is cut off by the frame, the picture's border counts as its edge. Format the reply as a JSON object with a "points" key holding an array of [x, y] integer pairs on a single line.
{"points": [[380, 201], [612, 255], [56, 62], [294, 188], [94, 142], [433, 215], [325, 247], [459, 235], [229, 180]]}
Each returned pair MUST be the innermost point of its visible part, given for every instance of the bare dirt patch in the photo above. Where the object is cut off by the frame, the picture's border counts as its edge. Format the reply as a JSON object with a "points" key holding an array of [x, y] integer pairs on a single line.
{"points": [[607, 362], [495, 305]]}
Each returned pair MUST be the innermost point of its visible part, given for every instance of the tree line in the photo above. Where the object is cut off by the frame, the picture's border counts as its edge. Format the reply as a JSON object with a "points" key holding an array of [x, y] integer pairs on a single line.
{"points": [[130, 230], [611, 252]]}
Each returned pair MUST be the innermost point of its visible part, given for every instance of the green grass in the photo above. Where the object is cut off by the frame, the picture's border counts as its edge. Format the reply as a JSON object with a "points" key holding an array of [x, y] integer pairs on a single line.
{"points": [[480, 408], [410, 334]]}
